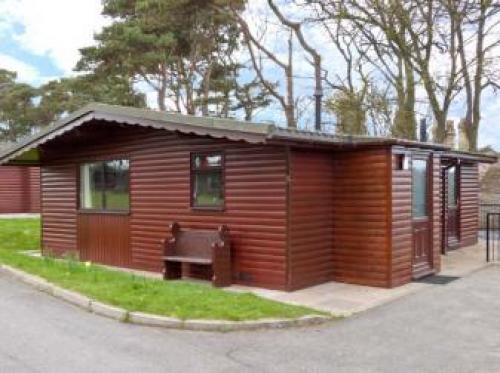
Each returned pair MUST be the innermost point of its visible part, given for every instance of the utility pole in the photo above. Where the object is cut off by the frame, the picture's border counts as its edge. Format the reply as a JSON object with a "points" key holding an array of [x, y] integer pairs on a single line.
{"points": [[423, 130], [318, 96]]}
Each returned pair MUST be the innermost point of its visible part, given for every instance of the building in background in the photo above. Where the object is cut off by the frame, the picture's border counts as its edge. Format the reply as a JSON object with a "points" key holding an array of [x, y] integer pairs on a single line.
{"points": [[19, 189]]}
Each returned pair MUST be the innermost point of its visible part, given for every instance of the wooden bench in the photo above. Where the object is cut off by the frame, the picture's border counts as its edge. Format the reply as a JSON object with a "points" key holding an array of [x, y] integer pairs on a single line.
{"points": [[200, 247]]}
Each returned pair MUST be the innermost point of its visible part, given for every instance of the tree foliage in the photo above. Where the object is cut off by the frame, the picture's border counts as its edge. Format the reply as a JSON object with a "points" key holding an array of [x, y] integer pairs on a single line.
{"points": [[349, 109], [24, 108], [179, 48], [16, 106], [216, 57]]}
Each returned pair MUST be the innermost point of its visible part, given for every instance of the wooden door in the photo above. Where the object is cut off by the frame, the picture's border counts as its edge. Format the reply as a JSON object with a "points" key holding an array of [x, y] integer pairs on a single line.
{"points": [[452, 207], [421, 212]]}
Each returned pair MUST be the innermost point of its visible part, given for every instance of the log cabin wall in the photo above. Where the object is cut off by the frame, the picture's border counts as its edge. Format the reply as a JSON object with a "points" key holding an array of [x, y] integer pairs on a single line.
{"points": [[469, 204], [468, 215], [401, 238], [34, 189], [311, 218], [361, 219], [437, 207], [19, 189], [58, 207], [255, 196]]}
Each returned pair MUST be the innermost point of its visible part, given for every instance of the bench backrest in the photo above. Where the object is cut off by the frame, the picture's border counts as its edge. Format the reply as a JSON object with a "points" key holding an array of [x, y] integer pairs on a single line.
{"points": [[196, 243]]}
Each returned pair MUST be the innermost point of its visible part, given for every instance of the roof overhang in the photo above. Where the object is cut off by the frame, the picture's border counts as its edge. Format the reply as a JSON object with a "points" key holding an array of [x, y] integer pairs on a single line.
{"points": [[469, 157], [26, 151]]}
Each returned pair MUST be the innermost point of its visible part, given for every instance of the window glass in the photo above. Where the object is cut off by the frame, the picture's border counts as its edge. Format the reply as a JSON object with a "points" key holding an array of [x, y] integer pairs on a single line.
{"points": [[117, 188], [204, 161], [419, 187], [105, 185], [452, 187], [207, 178], [91, 186]]}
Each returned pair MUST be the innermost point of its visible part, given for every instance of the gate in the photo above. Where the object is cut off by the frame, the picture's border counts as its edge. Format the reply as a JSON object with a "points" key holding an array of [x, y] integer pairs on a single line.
{"points": [[492, 236], [484, 210]]}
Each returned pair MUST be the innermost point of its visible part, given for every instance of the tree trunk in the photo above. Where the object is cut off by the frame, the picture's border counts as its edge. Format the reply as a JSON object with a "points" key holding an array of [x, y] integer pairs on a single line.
{"points": [[248, 113], [206, 91], [440, 132], [162, 95], [405, 123], [290, 107]]}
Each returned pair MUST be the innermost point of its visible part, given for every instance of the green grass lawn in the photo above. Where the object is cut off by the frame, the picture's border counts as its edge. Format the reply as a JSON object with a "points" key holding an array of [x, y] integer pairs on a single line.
{"points": [[135, 293]]}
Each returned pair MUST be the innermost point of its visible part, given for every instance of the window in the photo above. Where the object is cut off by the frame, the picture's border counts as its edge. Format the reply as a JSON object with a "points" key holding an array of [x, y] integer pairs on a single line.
{"points": [[207, 189], [402, 162], [105, 185], [419, 188], [452, 187]]}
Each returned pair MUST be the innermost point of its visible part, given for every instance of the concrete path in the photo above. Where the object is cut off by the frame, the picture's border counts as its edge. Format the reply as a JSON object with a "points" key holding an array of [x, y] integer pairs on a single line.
{"points": [[348, 299], [443, 328], [19, 216]]}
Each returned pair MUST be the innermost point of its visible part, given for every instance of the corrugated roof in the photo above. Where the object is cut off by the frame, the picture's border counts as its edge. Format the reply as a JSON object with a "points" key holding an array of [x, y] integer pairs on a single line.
{"points": [[202, 126]]}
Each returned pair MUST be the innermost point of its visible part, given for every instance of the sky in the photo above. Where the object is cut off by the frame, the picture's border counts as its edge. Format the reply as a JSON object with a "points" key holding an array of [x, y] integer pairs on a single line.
{"points": [[40, 40]]}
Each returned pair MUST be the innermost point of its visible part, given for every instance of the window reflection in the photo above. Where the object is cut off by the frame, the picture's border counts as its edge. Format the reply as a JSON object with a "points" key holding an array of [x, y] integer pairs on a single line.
{"points": [[105, 185]]}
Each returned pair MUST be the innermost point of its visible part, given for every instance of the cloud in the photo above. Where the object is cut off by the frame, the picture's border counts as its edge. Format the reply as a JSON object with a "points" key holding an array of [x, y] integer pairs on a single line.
{"points": [[53, 28], [25, 72]]}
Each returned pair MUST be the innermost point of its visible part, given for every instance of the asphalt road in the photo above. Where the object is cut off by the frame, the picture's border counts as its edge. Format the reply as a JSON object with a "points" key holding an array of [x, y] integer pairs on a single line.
{"points": [[447, 328]]}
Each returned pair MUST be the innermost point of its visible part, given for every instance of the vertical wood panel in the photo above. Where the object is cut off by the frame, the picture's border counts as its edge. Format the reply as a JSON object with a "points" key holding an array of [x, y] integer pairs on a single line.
{"points": [[104, 238]]}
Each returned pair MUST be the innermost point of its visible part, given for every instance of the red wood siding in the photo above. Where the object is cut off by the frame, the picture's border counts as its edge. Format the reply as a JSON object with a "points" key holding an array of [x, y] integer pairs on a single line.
{"points": [[104, 238], [255, 187], [34, 189], [436, 212], [311, 218], [361, 220], [19, 189], [468, 214], [402, 233], [296, 217], [469, 204], [58, 206]]}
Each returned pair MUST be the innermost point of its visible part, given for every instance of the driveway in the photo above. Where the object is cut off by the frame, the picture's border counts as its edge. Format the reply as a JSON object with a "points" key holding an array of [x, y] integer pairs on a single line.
{"points": [[443, 328]]}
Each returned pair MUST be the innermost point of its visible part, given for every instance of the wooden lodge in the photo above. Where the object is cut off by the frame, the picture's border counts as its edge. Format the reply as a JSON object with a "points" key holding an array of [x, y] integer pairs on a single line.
{"points": [[302, 208]]}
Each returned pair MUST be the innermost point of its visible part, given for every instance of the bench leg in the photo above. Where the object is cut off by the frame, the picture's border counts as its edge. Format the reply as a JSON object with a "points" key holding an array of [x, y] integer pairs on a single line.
{"points": [[222, 275], [172, 271]]}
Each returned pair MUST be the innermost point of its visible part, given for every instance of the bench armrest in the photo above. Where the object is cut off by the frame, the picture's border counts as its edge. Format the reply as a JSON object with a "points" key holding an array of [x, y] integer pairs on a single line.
{"points": [[220, 249], [168, 246]]}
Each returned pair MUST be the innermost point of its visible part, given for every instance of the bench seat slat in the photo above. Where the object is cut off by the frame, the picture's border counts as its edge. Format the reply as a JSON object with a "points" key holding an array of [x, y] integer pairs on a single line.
{"points": [[188, 259]]}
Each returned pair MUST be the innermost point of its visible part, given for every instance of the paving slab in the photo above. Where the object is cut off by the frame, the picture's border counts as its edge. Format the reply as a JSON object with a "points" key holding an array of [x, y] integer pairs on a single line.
{"points": [[346, 299]]}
